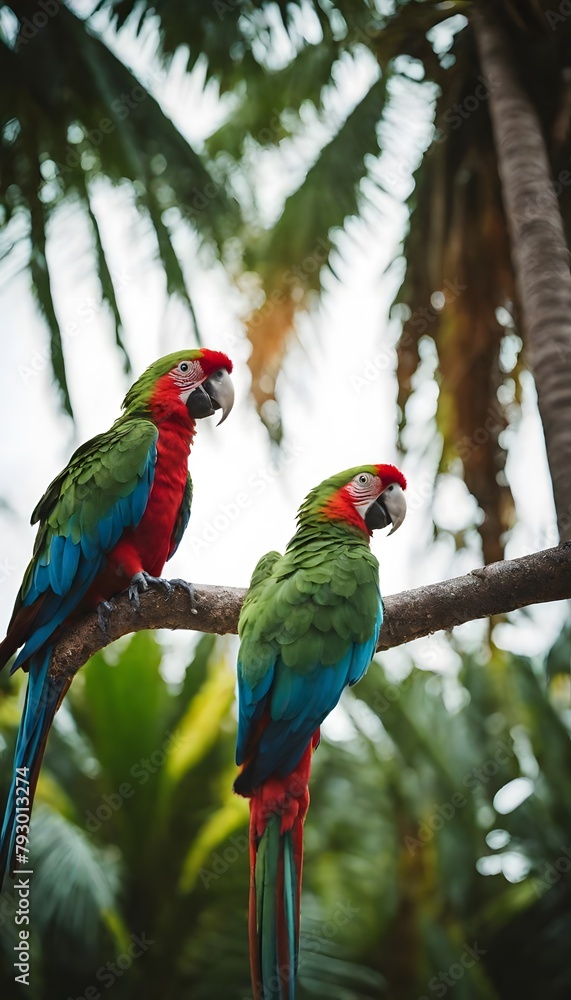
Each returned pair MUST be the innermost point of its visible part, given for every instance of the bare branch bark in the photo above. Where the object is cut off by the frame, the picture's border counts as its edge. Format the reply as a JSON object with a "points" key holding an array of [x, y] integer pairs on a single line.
{"points": [[497, 589], [539, 249]]}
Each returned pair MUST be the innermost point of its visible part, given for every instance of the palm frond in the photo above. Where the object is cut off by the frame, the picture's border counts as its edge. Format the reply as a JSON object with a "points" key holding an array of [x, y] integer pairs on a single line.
{"points": [[42, 289], [95, 120], [75, 883], [105, 280], [264, 95], [290, 257]]}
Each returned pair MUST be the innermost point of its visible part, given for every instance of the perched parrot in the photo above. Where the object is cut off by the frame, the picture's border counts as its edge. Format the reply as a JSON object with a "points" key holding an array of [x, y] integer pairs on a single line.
{"points": [[309, 627], [109, 521]]}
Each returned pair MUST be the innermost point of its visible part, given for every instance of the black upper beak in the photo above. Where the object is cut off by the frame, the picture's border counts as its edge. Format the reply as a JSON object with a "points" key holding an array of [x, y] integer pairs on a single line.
{"points": [[377, 516], [215, 393], [388, 508]]}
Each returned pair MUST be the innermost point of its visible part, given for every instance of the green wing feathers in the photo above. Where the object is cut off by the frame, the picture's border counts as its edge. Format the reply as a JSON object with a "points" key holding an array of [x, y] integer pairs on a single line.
{"points": [[309, 605]]}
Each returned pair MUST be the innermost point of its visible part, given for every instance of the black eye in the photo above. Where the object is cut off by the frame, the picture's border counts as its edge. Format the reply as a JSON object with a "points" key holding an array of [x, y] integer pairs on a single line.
{"points": [[389, 488], [363, 479], [183, 367]]}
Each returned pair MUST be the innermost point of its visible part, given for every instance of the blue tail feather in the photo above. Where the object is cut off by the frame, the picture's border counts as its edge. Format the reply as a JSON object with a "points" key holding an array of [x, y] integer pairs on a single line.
{"points": [[290, 904], [42, 699]]}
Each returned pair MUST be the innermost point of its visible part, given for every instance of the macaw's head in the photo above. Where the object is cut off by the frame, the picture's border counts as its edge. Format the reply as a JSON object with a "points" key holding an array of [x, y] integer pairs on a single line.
{"points": [[367, 497], [189, 383]]}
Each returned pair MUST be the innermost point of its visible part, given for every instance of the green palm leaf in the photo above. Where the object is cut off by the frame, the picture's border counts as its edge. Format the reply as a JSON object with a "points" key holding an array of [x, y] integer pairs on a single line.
{"points": [[96, 121], [75, 883]]}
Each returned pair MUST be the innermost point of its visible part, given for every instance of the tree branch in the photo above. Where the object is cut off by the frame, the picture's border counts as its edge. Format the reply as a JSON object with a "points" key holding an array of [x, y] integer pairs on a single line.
{"points": [[494, 590]]}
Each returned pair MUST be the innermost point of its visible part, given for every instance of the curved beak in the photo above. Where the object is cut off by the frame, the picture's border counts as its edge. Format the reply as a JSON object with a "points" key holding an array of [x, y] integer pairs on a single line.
{"points": [[215, 393], [220, 388], [388, 508]]}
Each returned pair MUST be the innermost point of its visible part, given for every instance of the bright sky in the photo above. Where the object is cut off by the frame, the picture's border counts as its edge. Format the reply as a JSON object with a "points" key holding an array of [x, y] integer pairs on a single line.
{"points": [[246, 494]]}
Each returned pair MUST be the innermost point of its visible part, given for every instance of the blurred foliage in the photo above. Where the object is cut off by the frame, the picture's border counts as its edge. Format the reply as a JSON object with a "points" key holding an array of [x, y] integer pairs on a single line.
{"points": [[72, 113], [427, 868]]}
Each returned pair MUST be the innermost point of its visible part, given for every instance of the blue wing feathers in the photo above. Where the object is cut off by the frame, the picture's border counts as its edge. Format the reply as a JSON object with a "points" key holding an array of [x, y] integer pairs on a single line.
{"points": [[140, 497], [105, 532], [251, 707], [363, 654], [56, 609], [55, 564], [70, 563]]}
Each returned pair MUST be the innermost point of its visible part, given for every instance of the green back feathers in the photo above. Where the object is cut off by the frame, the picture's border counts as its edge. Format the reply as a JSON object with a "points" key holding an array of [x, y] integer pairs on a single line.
{"points": [[311, 604], [139, 395]]}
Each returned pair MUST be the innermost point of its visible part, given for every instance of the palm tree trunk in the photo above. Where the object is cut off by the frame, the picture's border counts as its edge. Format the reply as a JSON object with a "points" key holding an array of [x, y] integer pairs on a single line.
{"points": [[539, 250]]}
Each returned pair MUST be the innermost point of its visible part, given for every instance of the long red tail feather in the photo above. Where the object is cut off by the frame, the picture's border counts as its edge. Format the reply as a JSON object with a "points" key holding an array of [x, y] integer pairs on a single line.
{"points": [[278, 809]]}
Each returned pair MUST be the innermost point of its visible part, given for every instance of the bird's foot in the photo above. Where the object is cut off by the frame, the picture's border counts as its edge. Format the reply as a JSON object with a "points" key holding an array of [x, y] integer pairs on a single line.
{"points": [[104, 611], [189, 589], [142, 581]]}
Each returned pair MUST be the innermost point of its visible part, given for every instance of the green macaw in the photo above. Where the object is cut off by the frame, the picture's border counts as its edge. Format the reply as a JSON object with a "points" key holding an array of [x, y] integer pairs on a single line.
{"points": [[309, 627], [109, 521]]}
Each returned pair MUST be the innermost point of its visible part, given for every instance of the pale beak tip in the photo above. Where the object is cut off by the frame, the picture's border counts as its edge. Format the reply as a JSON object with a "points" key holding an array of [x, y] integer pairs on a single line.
{"points": [[396, 507], [221, 391]]}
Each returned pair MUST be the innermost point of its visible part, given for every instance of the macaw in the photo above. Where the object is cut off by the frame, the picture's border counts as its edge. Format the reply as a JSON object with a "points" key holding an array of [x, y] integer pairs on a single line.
{"points": [[308, 627], [109, 521]]}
